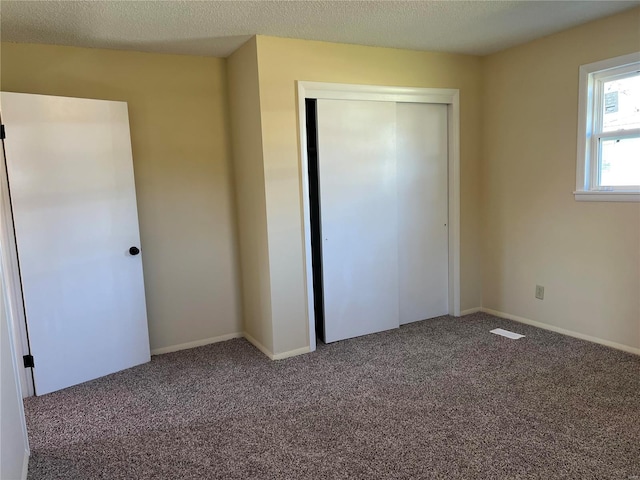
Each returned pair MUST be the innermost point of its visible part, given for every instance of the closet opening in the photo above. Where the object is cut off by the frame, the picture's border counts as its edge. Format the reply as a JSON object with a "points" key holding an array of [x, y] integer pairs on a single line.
{"points": [[314, 210]]}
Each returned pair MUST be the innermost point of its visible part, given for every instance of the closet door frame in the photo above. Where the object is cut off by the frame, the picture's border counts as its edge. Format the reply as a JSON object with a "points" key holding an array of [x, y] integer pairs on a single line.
{"points": [[340, 91]]}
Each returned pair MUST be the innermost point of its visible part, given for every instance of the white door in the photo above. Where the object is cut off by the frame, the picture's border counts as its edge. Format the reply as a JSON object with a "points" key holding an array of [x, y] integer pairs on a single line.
{"points": [[359, 216], [423, 253], [71, 178]]}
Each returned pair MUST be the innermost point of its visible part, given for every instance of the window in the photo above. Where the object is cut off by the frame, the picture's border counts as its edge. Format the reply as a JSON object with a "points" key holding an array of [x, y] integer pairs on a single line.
{"points": [[608, 167]]}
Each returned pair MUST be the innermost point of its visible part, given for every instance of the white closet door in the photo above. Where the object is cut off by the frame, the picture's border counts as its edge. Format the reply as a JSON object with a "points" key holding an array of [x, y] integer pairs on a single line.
{"points": [[422, 211], [359, 216], [72, 189]]}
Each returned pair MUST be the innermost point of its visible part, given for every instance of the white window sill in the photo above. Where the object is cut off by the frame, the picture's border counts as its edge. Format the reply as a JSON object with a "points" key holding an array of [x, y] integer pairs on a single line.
{"points": [[604, 196]]}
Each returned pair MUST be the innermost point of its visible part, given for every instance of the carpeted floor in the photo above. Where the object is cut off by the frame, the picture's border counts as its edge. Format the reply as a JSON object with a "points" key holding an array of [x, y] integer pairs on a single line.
{"points": [[437, 399]]}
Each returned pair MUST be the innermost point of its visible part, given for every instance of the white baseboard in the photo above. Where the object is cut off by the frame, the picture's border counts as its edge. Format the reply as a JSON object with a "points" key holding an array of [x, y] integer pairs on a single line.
{"points": [[224, 338], [197, 343], [470, 311], [570, 333], [25, 465], [278, 356], [291, 353]]}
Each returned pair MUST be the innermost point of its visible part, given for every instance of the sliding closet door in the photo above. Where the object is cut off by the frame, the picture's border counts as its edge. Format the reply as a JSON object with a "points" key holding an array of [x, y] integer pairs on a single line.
{"points": [[422, 211], [359, 216]]}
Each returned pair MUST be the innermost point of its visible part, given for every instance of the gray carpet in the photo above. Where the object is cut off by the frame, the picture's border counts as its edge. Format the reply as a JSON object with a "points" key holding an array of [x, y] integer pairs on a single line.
{"points": [[442, 398]]}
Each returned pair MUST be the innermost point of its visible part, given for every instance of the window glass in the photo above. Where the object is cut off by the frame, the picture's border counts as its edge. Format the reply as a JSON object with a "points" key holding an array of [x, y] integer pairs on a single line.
{"points": [[621, 105], [620, 165]]}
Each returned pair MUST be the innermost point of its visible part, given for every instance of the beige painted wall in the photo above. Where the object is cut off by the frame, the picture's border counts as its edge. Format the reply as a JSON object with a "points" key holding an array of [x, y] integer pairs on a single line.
{"points": [[283, 61], [246, 141], [586, 254], [519, 222], [179, 132]]}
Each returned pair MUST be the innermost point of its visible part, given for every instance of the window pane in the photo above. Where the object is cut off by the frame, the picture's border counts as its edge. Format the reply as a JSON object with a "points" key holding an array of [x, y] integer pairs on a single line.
{"points": [[621, 104], [620, 164]]}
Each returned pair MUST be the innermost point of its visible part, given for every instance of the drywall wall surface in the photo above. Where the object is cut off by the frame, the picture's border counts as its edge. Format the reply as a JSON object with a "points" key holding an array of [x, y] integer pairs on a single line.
{"points": [[585, 254], [13, 435], [246, 142], [284, 61], [179, 132]]}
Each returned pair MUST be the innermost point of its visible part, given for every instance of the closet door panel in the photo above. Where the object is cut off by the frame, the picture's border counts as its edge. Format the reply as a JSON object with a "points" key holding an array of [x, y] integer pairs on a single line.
{"points": [[359, 216], [422, 211]]}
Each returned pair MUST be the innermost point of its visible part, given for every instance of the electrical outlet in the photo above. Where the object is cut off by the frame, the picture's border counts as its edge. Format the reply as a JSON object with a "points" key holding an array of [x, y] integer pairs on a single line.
{"points": [[540, 292]]}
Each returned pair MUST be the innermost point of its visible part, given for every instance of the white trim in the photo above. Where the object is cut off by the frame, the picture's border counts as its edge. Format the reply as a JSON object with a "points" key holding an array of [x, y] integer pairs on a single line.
{"points": [[469, 311], [345, 91], [341, 91], [196, 343], [291, 353], [230, 336], [25, 465], [306, 216], [611, 63], [278, 356], [570, 333], [7, 315], [453, 121], [585, 89], [16, 367], [586, 168], [605, 196], [15, 307]]}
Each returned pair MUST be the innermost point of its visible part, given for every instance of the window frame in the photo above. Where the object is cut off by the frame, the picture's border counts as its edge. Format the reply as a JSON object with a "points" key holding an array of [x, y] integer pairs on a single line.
{"points": [[590, 134]]}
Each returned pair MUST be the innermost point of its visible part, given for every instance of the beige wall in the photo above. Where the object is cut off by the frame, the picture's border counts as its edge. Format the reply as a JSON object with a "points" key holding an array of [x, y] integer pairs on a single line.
{"points": [[586, 254], [246, 141], [520, 225], [283, 61], [179, 132]]}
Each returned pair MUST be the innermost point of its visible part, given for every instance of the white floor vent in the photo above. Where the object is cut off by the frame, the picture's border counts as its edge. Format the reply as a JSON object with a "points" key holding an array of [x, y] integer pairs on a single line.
{"points": [[507, 333]]}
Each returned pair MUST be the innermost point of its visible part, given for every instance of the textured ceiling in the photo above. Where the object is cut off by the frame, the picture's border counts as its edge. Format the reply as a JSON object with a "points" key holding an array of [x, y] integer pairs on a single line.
{"points": [[217, 28]]}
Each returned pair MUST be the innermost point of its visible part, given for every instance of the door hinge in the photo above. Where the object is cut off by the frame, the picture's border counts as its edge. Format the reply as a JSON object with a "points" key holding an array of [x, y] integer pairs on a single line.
{"points": [[2, 133], [28, 361]]}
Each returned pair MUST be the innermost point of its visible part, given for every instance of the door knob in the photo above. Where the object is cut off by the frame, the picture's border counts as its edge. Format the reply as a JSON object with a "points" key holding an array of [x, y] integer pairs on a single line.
{"points": [[134, 250]]}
